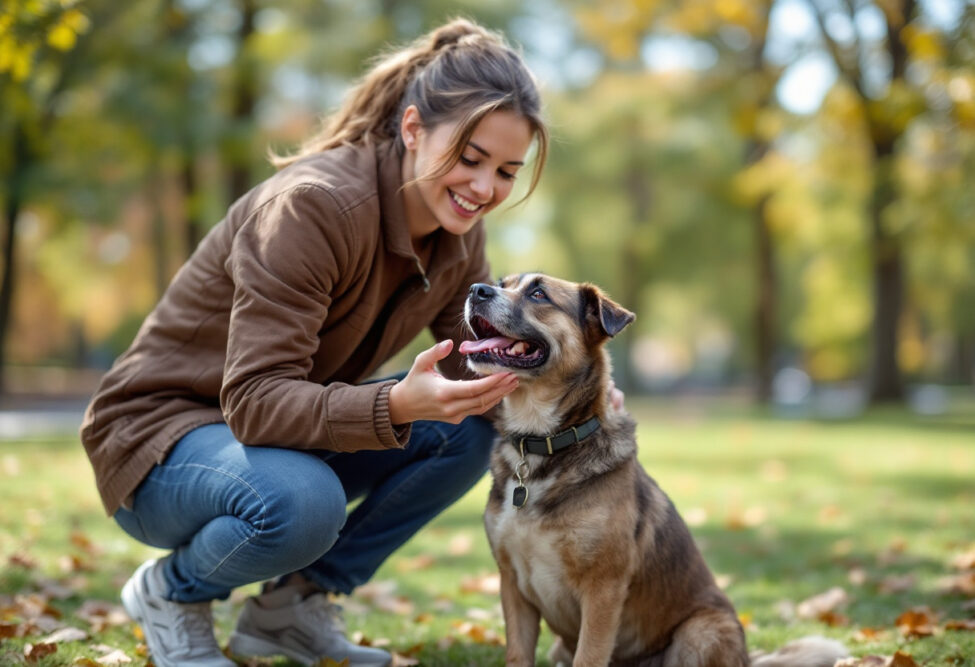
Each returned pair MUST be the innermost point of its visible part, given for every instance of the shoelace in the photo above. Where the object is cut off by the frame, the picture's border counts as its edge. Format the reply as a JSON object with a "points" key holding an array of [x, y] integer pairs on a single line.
{"points": [[328, 613], [195, 625]]}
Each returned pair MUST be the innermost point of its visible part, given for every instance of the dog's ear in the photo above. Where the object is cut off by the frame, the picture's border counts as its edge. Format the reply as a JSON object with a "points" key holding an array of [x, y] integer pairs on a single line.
{"points": [[603, 317]]}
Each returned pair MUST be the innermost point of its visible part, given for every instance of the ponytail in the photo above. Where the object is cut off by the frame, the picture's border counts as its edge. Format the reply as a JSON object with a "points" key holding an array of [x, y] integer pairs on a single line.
{"points": [[458, 72]]}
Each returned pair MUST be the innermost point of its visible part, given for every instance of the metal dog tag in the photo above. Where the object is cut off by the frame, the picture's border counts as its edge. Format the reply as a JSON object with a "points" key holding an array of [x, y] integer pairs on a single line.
{"points": [[520, 496]]}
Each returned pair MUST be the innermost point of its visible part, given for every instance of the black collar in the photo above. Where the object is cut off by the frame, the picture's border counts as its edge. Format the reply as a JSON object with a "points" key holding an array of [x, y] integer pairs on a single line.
{"points": [[551, 444]]}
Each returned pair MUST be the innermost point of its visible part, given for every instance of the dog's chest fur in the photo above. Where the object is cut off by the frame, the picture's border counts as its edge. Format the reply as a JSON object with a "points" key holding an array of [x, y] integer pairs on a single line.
{"points": [[554, 540]]}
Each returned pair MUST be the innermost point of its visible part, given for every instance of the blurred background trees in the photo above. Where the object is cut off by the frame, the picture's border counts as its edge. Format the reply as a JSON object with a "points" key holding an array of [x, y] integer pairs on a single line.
{"points": [[780, 190]]}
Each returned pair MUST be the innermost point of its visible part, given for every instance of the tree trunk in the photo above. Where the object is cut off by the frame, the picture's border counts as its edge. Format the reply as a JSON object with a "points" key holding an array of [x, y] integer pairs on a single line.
{"points": [[245, 97], [888, 286], [766, 304], [14, 203]]}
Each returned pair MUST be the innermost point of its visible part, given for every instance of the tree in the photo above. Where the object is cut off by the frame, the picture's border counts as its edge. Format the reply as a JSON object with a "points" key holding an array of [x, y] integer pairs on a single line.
{"points": [[36, 68]]}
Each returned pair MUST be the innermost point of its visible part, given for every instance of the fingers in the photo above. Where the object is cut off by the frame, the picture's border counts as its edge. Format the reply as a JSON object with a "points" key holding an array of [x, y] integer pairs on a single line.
{"points": [[427, 359], [482, 402], [471, 389]]}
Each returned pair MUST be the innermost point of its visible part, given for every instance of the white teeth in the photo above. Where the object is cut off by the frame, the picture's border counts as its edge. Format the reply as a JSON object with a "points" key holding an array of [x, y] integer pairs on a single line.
{"points": [[463, 203], [517, 349]]}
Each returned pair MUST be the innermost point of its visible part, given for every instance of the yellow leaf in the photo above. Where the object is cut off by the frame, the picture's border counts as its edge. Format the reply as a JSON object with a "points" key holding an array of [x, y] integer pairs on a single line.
{"points": [[62, 38]]}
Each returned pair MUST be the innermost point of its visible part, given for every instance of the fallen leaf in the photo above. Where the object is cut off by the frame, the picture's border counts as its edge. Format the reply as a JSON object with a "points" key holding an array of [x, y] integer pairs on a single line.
{"points": [[101, 615], [963, 583], [865, 661], [80, 540], [833, 619], [901, 659], [917, 622], [834, 598], [22, 560], [116, 657], [421, 562], [328, 662], [8, 630], [868, 634], [897, 583], [85, 662], [400, 660], [967, 624], [746, 620], [34, 652], [68, 634], [460, 544], [425, 617], [489, 584], [965, 561]]}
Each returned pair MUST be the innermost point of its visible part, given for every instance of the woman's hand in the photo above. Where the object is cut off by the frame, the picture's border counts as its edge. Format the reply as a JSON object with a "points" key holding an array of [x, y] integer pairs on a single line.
{"points": [[615, 398], [426, 394]]}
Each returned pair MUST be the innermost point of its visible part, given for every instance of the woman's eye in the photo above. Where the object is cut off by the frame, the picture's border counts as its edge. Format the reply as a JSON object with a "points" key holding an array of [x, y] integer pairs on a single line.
{"points": [[506, 175], [467, 162]]}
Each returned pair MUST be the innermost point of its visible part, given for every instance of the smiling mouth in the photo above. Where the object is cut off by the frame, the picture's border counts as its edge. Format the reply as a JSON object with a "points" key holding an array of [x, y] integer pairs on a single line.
{"points": [[493, 347], [464, 203]]}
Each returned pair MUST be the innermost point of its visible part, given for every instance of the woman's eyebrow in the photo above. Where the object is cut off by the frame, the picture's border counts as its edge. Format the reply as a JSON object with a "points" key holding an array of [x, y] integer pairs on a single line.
{"points": [[486, 154]]}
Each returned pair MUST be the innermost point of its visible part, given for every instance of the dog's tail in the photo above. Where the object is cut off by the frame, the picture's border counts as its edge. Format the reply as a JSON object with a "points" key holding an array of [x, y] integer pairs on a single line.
{"points": [[805, 652]]}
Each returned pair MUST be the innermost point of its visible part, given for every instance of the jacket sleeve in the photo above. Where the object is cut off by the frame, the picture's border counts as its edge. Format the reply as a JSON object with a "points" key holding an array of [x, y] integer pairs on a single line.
{"points": [[285, 261], [449, 322]]}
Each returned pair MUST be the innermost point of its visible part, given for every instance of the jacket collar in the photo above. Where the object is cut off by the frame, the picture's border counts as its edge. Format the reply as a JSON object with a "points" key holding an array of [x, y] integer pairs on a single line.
{"points": [[449, 249]]}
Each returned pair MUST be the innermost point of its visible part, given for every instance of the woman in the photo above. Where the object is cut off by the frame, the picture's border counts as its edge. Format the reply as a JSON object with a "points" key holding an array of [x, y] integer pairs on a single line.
{"points": [[237, 426]]}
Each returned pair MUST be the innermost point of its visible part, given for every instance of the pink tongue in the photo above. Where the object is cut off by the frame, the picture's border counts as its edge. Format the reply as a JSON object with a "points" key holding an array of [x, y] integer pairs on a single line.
{"points": [[472, 346]]}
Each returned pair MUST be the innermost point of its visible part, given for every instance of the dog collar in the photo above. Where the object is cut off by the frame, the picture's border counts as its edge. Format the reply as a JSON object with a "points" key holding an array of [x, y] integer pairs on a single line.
{"points": [[551, 444]]}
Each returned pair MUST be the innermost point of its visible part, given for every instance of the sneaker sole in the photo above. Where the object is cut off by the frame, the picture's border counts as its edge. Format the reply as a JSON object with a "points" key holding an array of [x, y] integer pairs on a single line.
{"points": [[243, 645], [132, 593]]}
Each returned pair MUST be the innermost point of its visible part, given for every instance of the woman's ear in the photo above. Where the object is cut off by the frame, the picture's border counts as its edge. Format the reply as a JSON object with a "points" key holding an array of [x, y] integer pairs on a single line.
{"points": [[410, 127]]}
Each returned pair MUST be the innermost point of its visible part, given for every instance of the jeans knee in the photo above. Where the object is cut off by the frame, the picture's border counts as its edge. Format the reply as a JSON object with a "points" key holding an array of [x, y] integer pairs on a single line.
{"points": [[304, 515]]}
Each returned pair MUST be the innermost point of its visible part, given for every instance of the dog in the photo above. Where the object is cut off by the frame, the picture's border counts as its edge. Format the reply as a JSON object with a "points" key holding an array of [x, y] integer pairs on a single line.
{"points": [[582, 536]]}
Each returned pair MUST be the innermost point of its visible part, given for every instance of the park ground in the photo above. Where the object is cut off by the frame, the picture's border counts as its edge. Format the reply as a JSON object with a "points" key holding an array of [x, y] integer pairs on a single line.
{"points": [[861, 530]]}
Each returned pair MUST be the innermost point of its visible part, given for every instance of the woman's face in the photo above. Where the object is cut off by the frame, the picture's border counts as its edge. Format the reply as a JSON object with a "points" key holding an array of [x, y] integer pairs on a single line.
{"points": [[480, 180]]}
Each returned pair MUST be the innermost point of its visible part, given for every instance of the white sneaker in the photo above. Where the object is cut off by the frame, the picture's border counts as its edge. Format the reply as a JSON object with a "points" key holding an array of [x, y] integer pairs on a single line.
{"points": [[177, 633], [305, 629]]}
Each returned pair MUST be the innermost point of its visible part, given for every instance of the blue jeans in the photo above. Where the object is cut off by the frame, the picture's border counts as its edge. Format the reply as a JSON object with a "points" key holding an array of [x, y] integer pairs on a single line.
{"points": [[233, 514]]}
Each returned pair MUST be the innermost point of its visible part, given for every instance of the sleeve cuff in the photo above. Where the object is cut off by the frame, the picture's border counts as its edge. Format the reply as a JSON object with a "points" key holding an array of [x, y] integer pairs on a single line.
{"points": [[390, 436]]}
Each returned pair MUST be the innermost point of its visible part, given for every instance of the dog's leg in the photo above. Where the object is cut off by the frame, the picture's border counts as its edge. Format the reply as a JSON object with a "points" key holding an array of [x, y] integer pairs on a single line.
{"points": [[709, 638], [521, 622], [602, 606]]}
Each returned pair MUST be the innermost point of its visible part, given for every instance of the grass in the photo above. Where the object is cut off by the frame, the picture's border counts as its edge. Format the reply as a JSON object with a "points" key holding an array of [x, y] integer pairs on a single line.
{"points": [[783, 510]]}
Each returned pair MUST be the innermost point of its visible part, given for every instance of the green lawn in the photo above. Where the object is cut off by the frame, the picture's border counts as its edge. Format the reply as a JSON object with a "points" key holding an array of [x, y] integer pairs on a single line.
{"points": [[783, 510]]}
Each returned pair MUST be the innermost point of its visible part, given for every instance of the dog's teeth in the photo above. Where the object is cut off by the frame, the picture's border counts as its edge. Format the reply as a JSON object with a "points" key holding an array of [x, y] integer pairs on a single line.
{"points": [[517, 349]]}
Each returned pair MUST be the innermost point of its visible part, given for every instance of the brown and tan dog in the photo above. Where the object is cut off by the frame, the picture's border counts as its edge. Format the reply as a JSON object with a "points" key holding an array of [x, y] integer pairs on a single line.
{"points": [[583, 537]]}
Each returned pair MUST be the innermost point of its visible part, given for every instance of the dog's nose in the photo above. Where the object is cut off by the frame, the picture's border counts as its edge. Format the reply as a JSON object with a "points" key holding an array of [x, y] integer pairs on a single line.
{"points": [[481, 292]]}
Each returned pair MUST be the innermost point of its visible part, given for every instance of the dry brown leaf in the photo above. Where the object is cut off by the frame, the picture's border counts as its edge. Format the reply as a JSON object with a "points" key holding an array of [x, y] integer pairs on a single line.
{"points": [[421, 562], [965, 561], [400, 660], [8, 630], [967, 624], [85, 662], [328, 662], [460, 544], [22, 560], [901, 659], [101, 615], [831, 600], [833, 619], [489, 584], [425, 617], [865, 661], [478, 633], [917, 622], [963, 583], [869, 634], [897, 583], [34, 652], [82, 541]]}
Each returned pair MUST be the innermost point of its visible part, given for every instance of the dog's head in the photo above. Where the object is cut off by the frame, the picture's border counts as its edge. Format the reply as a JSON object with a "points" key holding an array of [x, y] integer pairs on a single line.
{"points": [[534, 325]]}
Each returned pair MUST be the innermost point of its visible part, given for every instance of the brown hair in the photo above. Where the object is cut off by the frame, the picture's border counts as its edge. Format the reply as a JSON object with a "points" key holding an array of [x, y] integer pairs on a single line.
{"points": [[459, 72]]}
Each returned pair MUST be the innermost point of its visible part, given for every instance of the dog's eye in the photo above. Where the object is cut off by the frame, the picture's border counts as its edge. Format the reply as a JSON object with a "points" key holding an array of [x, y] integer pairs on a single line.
{"points": [[538, 294]]}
